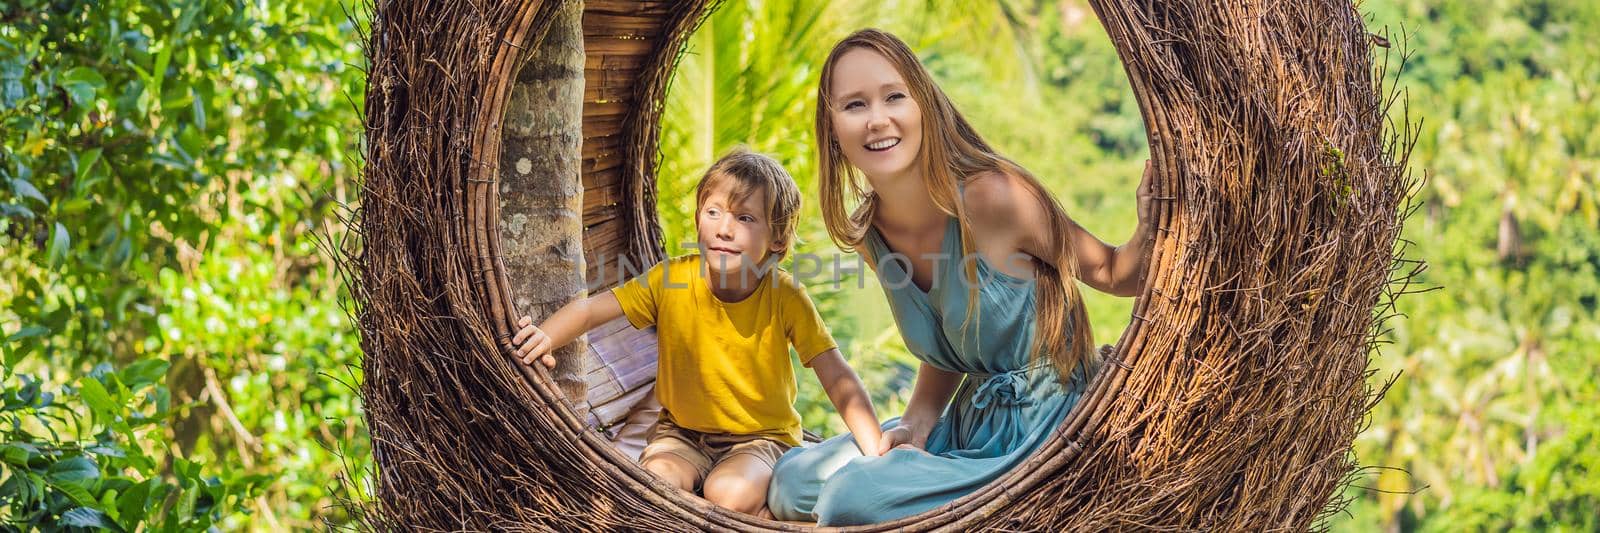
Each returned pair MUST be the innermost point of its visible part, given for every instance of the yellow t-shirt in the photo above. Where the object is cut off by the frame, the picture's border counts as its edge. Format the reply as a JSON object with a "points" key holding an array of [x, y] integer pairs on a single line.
{"points": [[724, 366]]}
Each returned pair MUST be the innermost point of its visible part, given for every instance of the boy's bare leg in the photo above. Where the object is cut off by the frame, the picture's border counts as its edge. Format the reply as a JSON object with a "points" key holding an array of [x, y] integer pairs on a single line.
{"points": [[740, 483], [676, 470]]}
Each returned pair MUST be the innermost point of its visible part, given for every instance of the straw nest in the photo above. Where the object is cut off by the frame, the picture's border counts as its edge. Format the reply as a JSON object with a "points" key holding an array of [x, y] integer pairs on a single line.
{"points": [[1231, 401]]}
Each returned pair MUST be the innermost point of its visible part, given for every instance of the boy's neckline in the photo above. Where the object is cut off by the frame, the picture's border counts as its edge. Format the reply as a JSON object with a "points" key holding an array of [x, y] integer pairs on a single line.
{"points": [[704, 273]]}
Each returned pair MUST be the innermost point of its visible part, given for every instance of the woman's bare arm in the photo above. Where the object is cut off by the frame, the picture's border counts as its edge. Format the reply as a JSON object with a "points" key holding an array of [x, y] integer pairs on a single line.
{"points": [[928, 400], [1014, 217]]}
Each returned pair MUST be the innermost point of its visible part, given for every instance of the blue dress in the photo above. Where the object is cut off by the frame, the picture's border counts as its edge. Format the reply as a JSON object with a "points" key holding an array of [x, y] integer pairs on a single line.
{"points": [[1006, 406]]}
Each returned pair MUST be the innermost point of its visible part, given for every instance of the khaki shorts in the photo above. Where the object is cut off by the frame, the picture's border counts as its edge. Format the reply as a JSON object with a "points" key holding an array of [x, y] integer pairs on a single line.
{"points": [[706, 450]]}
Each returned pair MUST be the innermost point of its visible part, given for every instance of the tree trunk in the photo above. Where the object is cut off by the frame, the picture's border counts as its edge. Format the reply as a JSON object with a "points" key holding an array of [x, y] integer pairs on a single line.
{"points": [[541, 188]]}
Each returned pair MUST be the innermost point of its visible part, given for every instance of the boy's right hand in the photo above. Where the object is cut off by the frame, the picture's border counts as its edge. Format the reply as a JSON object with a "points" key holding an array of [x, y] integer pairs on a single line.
{"points": [[531, 343]]}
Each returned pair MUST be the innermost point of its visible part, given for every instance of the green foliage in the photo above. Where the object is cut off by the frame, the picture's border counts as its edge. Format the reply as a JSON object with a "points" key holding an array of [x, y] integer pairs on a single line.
{"points": [[164, 168], [1487, 425], [63, 469], [1559, 490]]}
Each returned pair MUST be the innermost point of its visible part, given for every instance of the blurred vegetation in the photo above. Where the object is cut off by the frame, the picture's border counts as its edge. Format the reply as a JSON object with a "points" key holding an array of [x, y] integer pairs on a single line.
{"points": [[175, 355], [1492, 418]]}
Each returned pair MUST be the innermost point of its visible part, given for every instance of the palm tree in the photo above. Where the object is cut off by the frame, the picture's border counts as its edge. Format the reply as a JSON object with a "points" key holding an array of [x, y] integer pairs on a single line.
{"points": [[540, 151]]}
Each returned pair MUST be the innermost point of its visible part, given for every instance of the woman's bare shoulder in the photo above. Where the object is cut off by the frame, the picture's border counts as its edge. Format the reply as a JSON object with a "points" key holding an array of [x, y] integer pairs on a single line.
{"points": [[999, 201]]}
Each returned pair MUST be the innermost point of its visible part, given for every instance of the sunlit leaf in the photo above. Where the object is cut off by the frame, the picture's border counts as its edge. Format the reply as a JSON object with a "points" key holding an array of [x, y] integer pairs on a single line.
{"points": [[146, 372], [81, 84], [88, 517], [86, 161], [27, 190], [60, 242], [28, 332], [95, 395]]}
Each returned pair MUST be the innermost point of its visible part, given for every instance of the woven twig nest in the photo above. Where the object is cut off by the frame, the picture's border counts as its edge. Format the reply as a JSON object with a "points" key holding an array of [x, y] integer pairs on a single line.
{"points": [[1231, 401]]}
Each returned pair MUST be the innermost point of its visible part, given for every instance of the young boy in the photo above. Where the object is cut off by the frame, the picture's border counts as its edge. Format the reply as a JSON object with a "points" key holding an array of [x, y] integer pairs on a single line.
{"points": [[725, 319]]}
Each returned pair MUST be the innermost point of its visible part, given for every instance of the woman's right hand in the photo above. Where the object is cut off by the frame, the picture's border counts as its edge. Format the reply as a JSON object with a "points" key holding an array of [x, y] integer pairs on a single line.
{"points": [[1145, 193], [531, 343]]}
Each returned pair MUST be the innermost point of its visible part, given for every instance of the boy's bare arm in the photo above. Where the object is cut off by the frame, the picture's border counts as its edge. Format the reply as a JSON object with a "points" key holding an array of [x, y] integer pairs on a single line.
{"points": [[563, 327], [850, 398]]}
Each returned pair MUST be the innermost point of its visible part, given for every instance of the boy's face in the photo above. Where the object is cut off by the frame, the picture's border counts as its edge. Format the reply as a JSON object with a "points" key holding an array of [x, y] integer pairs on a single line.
{"points": [[734, 235]]}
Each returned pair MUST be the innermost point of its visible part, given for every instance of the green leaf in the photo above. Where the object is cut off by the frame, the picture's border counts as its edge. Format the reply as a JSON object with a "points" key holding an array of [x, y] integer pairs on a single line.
{"points": [[146, 372], [94, 393], [123, 251], [191, 143], [28, 332], [26, 394], [133, 504], [85, 76], [107, 451], [59, 245], [73, 469], [17, 454], [24, 189], [86, 161], [27, 486], [11, 88], [75, 206], [199, 109], [187, 500], [88, 517], [75, 492], [159, 72], [81, 84], [16, 211]]}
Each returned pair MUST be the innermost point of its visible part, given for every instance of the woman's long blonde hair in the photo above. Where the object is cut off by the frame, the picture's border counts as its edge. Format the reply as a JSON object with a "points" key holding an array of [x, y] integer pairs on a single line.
{"points": [[951, 152]]}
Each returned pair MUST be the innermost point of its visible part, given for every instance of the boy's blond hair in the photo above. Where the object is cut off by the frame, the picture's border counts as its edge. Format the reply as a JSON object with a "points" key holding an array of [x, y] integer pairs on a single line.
{"points": [[749, 173]]}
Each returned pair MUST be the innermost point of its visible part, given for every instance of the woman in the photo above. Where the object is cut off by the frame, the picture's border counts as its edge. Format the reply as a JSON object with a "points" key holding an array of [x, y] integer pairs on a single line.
{"points": [[997, 321]]}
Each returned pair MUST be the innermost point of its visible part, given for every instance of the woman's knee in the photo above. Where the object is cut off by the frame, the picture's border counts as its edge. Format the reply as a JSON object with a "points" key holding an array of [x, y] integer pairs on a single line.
{"points": [[819, 460], [781, 491], [789, 464], [853, 494]]}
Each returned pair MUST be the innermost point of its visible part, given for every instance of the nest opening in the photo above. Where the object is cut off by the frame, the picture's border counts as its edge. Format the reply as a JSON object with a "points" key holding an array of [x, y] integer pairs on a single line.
{"points": [[1235, 393]]}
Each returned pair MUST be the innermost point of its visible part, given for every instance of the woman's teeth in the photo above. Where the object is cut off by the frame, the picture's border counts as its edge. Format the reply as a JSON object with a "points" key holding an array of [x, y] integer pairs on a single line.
{"points": [[883, 144]]}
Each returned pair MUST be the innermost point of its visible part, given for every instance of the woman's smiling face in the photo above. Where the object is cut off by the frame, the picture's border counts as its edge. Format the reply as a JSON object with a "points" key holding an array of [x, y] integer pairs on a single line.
{"points": [[877, 123]]}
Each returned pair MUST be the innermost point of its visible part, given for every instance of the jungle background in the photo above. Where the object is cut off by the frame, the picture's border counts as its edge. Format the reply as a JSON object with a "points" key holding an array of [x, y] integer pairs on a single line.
{"points": [[175, 178]]}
